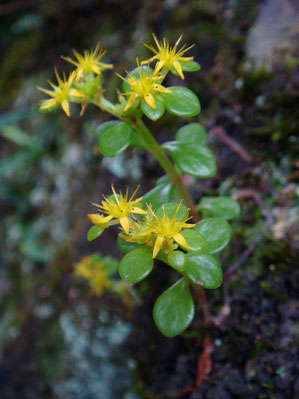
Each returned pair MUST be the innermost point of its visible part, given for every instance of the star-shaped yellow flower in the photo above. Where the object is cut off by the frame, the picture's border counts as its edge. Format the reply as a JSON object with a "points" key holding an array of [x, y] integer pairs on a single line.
{"points": [[61, 93], [167, 230], [144, 86], [118, 207], [92, 269], [168, 56], [89, 62]]}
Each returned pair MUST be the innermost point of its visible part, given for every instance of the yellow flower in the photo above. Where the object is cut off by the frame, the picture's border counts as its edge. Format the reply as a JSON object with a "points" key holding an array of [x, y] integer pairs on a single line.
{"points": [[91, 269], [118, 207], [168, 56], [89, 62], [167, 230], [61, 93], [143, 86]]}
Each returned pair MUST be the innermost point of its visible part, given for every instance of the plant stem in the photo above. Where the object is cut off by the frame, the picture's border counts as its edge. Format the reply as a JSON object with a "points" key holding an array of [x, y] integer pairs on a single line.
{"points": [[158, 153], [202, 300]]}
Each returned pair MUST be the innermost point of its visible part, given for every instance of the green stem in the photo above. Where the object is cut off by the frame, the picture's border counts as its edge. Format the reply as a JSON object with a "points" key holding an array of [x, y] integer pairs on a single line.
{"points": [[158, 153]]}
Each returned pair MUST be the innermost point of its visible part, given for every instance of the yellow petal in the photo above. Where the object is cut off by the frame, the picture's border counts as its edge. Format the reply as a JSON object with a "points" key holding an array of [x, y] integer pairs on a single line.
{"points": [[178, 68], [76, 93], [186, 225], [45, 104], [132, 98], [98, 220], [145, 62], [65, 106], [162, 89], [96, 70], [147, 232], [181, 241], [150, 101], [178, 41], [49, 92], [184, 59], [83, 108], [139, 210], [156, 41], [79, 73], [158, 246], [107, 66], [124, 221], [159, 66], [68, 59]]}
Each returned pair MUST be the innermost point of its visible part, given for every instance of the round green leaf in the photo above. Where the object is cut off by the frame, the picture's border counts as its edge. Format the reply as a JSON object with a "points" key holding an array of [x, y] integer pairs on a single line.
{"points": [[115, 139], [203, 269], [192, 133], [170, 210], [153, 114], [192, 159], [136, 265], [126, 246], [223, 207], [94, 232], [174, 309], [190, 66], [195, 240], [137, 141], [181, 101], [100, 130], [164, 192], [158, 195], [216, 231], [176, 259]]}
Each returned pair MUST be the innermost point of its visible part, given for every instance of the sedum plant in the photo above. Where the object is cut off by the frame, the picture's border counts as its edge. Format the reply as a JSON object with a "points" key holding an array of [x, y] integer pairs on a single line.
{"points": [[165, 224]]}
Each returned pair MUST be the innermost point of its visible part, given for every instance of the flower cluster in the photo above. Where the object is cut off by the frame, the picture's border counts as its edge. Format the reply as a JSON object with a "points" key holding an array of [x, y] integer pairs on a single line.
{"points": [[92, 269], [161, 233], [84, 84]]}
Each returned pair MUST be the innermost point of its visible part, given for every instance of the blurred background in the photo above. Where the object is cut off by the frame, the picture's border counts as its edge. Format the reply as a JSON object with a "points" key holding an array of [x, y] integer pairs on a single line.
{"points": [[57, 339]]}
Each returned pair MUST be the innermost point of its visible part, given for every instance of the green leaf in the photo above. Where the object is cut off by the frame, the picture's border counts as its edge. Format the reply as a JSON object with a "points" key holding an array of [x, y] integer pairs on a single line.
{"points": [[174, 309], [136, 265], [137, 141], [164, 192], [170, 210], [190, 66], [176, 259], [216, 231], [135, 72], [153, 114], [101, 129], [94, 232], [203, 268], [157, 196], [126, 246], [223, 207], [192, 159], [19, 137], [181, 101], [195, 240], [192, 133], [115, 139]]}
